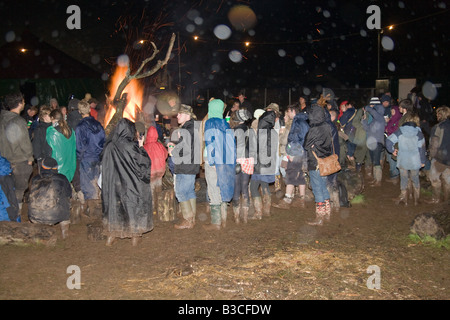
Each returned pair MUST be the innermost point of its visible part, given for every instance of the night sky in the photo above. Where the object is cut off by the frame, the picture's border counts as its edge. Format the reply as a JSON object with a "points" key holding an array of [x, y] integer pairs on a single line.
{"points": [[292, 43]]}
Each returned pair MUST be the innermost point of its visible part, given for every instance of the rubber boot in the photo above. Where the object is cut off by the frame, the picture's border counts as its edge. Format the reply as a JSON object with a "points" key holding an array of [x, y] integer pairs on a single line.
{"points": [[377, 175], [110, 240], [223, 214], [320, 213], [435, 196], [186, 211], [334, 201], [64, 229], [416, 195], [135, 240], [216, 219], [194, 209], [237, 213], [267, 203], [327, 211], [403, 197], [245, 214], [257, 202], [277, 188]]}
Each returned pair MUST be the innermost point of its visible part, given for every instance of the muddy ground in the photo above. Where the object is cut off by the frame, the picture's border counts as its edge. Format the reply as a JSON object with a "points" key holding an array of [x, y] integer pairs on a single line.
{"points": [[280, 257]]}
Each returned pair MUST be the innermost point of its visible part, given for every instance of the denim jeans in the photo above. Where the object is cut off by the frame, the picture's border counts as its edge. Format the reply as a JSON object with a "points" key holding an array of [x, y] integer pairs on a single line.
{"points": [[393, 170], [241, 182], [404, 178], [89, 173], [351, 148], [21, 174], [375, 155], [319, 186], [185, 187]]}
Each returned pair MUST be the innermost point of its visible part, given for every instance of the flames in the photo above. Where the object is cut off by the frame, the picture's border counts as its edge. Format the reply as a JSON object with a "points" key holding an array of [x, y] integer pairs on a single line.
{"points": [[135, 96]]}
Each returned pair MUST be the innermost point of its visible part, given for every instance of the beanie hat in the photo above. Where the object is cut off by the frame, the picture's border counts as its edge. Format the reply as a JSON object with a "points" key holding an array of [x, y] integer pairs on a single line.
{"points": [[243, 115], [49, 163], [375, 100], [184, 108], [274, 107], [385, 97]]}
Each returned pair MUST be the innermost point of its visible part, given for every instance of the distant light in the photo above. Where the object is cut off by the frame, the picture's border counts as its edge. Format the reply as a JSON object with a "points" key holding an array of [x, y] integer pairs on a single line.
{"points": [[391, 27], [23, 50], [162, 88], [195, 37], [247, 44], [141, 42]]}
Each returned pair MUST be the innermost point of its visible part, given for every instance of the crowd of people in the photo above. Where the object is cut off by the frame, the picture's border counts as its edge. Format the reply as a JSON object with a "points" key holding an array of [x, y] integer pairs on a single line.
{"points": [[54, 154]]}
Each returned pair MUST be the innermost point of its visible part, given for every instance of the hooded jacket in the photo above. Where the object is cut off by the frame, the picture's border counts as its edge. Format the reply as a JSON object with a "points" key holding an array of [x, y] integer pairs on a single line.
{"points": [[186, 154], [440, 142], [41, 149], [126, 193], [63, 151], [297, 133], [90, 139], [319, 137], [50, 194], [393, 122], [411, 146], [15, 143], [374, 129], [157, 153], [266, 145]]}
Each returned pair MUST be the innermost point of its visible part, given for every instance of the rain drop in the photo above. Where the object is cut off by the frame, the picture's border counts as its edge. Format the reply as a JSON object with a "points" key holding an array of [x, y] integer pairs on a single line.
{"points": [[10, 36], [326, 14], [198, 21], [34, 101], [95, 59], [55, 33], [429, 90], [281, 53], [391, 66], [105, 76], [387, 43], [190, 28], [401, 5], [299, 60], [235, 56], [363, 33], [306, 91], [123, 60], [222, 32]]}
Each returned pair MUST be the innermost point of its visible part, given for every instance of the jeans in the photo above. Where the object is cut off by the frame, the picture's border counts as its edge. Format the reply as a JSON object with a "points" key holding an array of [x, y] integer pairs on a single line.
{"points": [[319, 186], [254, 188], [21, 174], [241, 182], [393, 170], [404, 177], [89, 173], [185, 187], [375, 155]]}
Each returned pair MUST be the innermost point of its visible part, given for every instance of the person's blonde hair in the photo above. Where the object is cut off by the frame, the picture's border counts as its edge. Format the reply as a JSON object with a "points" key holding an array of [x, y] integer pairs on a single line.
{"points": [[84, 107], [58, 116], [413, 117], [44, 111], [442, 113]]}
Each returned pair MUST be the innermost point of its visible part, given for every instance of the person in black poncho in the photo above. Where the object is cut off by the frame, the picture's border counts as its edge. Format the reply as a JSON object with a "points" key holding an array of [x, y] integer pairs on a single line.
{"points": [[126, 193]]}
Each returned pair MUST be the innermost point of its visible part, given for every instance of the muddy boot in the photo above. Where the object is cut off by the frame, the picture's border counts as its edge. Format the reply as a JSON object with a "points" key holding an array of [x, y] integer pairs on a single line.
{"points": [[320, 213], [257, 203], [237, 213], [377, 175], [110, 240], [402, 198], [416, 195], [368, 172], [435, 196], [245, 214], [335, 201], [75, 213], [216, 219], [284, 204], [267, 203], [299, 202], [64, 229], [327, 211], [187, 221], [223, 214], [358, 167], [194, 209], [135, 240]]}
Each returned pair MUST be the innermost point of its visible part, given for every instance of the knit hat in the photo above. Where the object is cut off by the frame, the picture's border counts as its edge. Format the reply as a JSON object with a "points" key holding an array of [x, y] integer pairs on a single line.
{"points": [[343, 103], [49, 163], [374, 100], [243, 115], [258, 113], [385, 97]]}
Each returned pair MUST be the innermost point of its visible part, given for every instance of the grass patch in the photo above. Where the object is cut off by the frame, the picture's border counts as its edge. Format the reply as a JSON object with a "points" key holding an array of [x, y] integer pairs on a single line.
{"points": [[431, 241], [358, 199]]}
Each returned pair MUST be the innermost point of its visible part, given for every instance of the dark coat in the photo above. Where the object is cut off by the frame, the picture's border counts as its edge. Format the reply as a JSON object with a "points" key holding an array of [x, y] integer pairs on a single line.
{"points": [[50, 194], [126, 194], [41, 148], [90, 139], [319, 136], [266, 144], [297, 133], [187, 150]]}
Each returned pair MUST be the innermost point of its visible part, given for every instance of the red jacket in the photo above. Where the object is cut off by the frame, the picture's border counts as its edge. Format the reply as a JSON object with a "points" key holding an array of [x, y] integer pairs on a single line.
{"points": [[157, 153]]}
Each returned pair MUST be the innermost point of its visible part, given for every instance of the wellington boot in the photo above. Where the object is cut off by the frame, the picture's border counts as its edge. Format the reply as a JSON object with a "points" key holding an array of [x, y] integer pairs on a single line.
{"points": [[320, 213], [245, 214], [299, 202], [257, 202], [402, 198], [267, 203], [377, 175], [435, 197], [188, 216], [237, 214], [327, 211], [216, 219], [110, 240], [223, 214], [416, 196], [64, 229], [194, 208]]}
